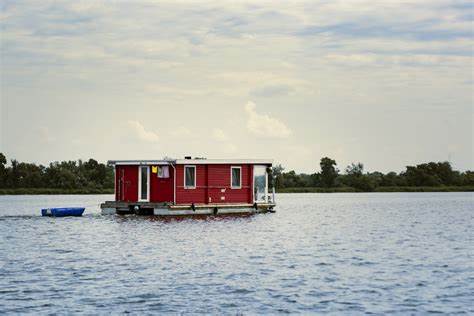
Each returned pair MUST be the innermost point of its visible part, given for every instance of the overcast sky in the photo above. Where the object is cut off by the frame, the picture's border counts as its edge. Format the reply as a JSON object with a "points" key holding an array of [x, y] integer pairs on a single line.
{"points": [[387, 83]]}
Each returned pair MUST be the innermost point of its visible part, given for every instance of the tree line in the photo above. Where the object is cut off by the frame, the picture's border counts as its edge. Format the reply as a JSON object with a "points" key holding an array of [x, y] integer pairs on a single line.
{"points": [[431, 174], [87, 176], [94, 177]]}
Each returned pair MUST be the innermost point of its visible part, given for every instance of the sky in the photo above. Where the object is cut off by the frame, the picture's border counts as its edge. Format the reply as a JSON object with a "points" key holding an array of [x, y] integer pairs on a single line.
{"points": [[385, 83]]}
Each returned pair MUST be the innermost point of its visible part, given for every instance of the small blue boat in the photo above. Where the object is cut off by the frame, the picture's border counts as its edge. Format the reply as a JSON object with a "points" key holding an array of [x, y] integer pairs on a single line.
{"points": [[62, 211]]}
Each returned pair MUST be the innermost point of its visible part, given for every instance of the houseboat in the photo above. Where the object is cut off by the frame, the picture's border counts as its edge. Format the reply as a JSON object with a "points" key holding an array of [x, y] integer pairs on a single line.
{"points": [[190, 186]]}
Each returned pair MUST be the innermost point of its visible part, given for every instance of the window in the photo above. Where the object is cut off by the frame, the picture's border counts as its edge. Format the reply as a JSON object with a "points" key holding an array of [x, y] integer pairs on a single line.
{"points": [[143, 180], [236, 177], [163, 172], [190, 177]]}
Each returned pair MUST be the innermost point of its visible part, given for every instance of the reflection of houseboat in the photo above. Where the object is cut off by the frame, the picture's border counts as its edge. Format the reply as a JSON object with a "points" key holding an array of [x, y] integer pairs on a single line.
{"points": [[191, 186]]}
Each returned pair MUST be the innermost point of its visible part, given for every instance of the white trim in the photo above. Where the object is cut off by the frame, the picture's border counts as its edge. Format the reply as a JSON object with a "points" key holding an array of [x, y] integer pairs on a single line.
{"points": [[115, 185], [139, 162], [174, 184], [266, 185], [224, 161], [140, 184], [192, 162], [231, 175], [195, 180]]}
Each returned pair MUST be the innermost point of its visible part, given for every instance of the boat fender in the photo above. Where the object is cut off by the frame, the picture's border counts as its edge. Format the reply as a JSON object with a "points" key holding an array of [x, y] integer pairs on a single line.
{"points": [[193, 207], [215, 211], [255, 206], [136, 209]]}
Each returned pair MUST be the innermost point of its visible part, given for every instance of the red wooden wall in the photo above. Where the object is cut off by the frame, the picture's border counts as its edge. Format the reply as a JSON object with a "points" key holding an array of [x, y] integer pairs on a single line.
{"points": [[126, 183], [161, 189], [213, 185]]}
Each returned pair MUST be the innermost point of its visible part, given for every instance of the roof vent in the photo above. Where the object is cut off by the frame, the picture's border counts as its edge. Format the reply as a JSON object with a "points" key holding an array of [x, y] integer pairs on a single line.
{"points": [[188, 157]]}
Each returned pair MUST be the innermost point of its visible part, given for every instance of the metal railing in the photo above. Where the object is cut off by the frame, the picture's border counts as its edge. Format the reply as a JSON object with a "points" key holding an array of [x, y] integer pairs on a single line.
{"points": [[271, 196]]}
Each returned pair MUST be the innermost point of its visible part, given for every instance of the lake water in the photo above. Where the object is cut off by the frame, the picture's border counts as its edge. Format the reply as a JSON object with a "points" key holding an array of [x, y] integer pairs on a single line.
{"points": [[339, 253]]}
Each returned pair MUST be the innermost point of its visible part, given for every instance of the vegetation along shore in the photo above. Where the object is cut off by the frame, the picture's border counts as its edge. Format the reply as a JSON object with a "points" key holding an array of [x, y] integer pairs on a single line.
{"points": [[93, 177]]}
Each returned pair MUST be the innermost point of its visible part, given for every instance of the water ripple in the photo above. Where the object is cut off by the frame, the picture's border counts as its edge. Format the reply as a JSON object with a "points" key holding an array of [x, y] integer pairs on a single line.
{"points": [[408, 253]]}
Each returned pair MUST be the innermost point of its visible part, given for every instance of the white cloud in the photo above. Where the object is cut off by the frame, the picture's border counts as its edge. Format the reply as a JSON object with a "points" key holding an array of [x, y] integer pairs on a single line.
{"points": [[219, 135], [230, 148], [142, 133], [182, 132], [226, 146], [264, 125], [332, 60]]}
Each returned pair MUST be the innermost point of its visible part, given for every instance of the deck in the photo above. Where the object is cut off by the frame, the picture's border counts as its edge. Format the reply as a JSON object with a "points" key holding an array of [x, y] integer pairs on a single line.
{"points": [[150, 208]]}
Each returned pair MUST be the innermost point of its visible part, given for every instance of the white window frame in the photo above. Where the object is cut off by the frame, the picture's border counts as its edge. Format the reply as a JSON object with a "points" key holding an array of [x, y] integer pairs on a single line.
{"points": [[266, 184], [231, 175], [140, 184], [195, 179]]}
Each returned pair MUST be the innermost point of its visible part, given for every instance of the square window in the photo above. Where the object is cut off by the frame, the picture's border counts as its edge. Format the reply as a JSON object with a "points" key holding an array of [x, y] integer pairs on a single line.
{"points": [[190, 177]]}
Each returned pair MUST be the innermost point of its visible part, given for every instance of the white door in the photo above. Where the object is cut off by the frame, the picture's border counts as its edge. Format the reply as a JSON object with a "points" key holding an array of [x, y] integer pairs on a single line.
{"points": [[260, 184], [144, 183]]}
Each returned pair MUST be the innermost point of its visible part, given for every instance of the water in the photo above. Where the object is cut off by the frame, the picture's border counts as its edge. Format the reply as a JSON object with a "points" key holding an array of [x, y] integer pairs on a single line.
{"points": [[341, 253]]}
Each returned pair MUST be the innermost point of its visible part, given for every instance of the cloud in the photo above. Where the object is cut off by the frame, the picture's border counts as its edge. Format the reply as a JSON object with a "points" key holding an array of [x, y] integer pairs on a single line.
{"points": [[219, 135], [400, 55], [272, 90], [423, 31], [142, 133], [264, 125], [229, 148], [182, 132], [226, 146]]}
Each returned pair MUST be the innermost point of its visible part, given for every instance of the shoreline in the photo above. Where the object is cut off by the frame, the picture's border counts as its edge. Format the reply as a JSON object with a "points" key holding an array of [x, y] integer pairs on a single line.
{"points": [[49, 191], [377, 190]]}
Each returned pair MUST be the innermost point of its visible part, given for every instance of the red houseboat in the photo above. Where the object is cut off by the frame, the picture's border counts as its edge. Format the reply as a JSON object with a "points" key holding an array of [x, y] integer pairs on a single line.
{"points": [[189, 186]]}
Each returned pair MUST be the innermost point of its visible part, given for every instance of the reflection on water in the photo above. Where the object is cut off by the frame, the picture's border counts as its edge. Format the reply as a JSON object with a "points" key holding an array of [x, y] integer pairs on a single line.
{"points": [[351, 253]]}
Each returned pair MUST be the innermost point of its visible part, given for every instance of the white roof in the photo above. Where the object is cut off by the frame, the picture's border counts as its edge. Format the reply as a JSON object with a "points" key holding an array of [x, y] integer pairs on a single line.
{"points": [[140, 162], [193, 162], [224, 161]]}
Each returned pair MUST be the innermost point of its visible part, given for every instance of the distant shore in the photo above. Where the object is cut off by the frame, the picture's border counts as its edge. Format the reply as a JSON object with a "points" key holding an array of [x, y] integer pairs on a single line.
{"points": [[48, 191], [378, 189]]}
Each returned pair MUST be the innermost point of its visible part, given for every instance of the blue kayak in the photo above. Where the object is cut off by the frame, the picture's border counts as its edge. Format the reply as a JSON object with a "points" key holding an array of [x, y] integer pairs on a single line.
{"points": [[62, 211]]}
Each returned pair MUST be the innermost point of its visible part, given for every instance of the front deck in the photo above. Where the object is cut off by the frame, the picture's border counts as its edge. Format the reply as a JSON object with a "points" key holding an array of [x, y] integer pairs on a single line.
{"points": [[166, 209]]}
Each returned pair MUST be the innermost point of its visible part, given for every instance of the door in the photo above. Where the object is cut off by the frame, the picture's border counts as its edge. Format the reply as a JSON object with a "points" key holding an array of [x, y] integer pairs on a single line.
{"points": [[260, 184], [144, 183]]}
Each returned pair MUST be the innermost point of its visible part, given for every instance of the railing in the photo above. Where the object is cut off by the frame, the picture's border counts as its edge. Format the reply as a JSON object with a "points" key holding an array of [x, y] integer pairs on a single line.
{"points": [[271, 196]]}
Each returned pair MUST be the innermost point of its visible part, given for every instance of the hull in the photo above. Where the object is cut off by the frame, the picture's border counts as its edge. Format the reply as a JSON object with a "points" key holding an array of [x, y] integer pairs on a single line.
{"points": [[159, 209]]}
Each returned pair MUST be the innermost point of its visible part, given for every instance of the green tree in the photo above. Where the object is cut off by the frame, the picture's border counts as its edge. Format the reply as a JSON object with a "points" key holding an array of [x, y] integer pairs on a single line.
{"points": [[328, 172], [467, 178], [390, 179], [3, 171], [277, 175], [356, 178], [430, 174], [355, 169]]}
